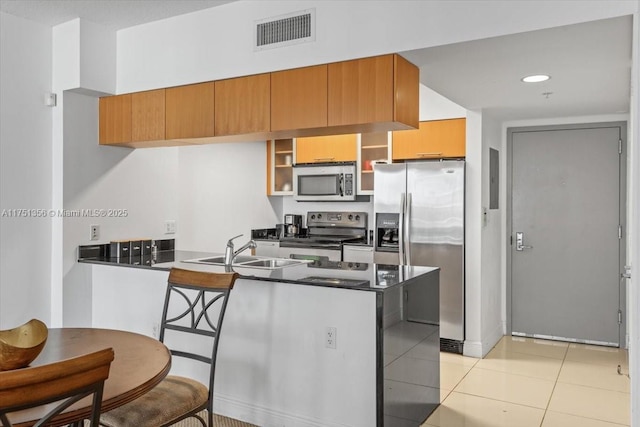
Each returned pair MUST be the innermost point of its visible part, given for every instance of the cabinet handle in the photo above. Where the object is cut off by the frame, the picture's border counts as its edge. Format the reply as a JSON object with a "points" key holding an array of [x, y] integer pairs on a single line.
{"points": [[428, 154], [323, 158]]}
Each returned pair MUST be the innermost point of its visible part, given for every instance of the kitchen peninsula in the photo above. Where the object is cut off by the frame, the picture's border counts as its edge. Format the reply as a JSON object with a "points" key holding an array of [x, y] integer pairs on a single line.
{"points": [[275, 362]]}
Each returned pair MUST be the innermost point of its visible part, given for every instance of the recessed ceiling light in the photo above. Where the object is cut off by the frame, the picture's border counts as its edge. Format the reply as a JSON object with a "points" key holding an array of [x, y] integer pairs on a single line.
{"points": [[536, 78]]}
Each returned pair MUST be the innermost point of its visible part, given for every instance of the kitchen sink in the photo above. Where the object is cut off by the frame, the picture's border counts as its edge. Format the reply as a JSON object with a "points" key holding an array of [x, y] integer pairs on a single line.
{"points": [[219, 260], [251, 262], [272, 263]]}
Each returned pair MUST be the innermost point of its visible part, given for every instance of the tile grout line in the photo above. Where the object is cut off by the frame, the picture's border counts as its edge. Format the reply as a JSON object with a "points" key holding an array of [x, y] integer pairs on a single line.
{"points": [[555, 383]]}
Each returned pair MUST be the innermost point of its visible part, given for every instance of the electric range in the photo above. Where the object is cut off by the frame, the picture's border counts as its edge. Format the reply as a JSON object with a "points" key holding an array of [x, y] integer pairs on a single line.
{"points": [[326, 233]]}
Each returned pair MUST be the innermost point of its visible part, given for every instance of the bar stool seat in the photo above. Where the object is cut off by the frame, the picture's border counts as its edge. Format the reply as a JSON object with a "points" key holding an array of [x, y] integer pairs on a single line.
{"points": [[151, 409]]}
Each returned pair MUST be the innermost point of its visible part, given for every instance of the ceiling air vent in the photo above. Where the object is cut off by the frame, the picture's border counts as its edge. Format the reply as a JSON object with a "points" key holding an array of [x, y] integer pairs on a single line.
{"points": [[285, 30]]}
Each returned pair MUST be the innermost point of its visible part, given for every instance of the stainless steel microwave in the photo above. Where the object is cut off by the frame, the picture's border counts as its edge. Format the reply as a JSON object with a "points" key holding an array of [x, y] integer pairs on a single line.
{"points": [[324, 182]]}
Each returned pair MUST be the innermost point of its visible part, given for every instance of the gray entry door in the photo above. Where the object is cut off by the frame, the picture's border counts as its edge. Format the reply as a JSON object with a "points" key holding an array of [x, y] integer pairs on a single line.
{"points": [[565, 195]]}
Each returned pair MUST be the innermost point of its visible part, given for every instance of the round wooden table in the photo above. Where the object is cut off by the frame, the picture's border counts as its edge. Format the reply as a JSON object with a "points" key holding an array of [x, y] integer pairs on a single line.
{"points": [[140, 363]]}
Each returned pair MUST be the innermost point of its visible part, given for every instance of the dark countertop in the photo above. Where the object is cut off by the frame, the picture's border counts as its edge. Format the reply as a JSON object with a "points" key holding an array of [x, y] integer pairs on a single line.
{"points": [[303, 238], [357, 276]]}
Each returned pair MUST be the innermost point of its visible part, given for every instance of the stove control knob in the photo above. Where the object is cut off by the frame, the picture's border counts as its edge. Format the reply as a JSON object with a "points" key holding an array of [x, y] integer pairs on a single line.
{"points": [[313, 217], [319, 216], [350, 217], [357, 217]]}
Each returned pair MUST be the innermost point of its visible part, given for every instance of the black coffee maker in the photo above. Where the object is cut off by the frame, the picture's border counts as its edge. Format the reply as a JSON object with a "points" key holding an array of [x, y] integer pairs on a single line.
{"points": [[292, 225]]}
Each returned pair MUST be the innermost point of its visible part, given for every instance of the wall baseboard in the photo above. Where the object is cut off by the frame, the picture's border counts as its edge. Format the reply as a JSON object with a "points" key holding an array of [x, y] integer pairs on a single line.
{"points": [[230, 407], [479, 349], [472, 349]]}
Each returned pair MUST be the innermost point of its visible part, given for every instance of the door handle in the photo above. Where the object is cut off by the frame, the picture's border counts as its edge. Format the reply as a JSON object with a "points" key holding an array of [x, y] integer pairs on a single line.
{"points": [[401, 225], [520, 246]]}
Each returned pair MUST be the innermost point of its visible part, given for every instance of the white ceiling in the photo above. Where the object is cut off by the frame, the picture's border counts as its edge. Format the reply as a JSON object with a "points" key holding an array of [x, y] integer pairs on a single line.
{"points": [[589, 63], [115, 14]]}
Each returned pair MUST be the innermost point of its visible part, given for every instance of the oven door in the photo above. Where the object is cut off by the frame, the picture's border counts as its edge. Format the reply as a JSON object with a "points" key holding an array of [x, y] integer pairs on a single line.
{"points": [[332, 254]]}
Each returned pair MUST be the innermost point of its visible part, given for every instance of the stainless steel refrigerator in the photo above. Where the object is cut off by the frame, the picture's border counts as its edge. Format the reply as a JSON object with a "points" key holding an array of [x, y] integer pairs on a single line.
{"points": [[419, 220]]}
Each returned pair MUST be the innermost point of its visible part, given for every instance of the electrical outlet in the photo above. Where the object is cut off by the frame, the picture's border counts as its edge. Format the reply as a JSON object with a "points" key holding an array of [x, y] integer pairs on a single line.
{"points": [[331, 337], [170, 226], [94, 233]]}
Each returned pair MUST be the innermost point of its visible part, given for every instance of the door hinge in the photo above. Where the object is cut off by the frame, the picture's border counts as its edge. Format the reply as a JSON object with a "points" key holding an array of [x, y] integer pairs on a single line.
{"points": [[619, 317], [619, 232], [619, 146]]}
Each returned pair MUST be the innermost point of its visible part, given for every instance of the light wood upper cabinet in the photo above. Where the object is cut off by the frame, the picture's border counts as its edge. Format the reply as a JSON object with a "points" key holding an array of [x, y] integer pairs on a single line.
{"points": [[434, 139], [381, 89], [147, 115], [365, 95], [242, 105], [323, 149], [115, 119], [299, 98], [190, 111]]}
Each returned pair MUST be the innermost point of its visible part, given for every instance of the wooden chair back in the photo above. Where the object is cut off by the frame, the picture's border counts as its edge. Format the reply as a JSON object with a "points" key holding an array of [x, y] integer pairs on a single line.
{"points": [[203, 298], [62, 383], [178, 276]]}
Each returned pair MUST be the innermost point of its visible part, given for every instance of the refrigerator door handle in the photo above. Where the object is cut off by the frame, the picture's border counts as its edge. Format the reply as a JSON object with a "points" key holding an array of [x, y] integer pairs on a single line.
{"points": [[406, 230], [401, 221]]}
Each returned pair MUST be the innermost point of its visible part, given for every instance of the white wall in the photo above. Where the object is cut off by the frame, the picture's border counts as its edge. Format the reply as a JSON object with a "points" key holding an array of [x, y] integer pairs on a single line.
{"points": [[492, 240], [217, 43], [473, 345], [25, 171], [434, 106], [142, 182], [222, 193]]}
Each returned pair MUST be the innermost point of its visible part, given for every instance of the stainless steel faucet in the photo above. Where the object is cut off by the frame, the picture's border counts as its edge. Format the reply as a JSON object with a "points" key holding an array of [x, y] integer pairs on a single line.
{"points": [[229, 254]]}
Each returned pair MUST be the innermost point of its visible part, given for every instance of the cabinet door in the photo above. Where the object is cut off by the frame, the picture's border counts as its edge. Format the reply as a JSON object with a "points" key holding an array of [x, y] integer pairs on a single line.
{"points": [[406, 81], [299, 98], [148, 115], [448, 137], [434, 139], [190, 111], [242, 105], [323, 149], [115, 119], [361, 91], [406, 143]]}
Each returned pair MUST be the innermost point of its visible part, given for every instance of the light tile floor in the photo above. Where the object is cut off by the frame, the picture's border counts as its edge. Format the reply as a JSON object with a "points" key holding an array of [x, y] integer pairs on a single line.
{"points": [[526, 382]]}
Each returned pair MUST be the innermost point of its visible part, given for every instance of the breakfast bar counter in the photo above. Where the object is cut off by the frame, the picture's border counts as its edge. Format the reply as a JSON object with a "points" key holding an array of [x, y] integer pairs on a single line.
{"points": [[350, 275], [317, 343]]}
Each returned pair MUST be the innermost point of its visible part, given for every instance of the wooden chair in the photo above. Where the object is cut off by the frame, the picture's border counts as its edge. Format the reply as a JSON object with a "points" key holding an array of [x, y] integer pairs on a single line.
{"points": [[62, 383], [202, 300]]}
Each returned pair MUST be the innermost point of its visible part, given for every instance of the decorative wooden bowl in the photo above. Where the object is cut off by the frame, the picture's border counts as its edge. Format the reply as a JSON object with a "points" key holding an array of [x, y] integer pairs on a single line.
{"points": [[20, 346]]}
